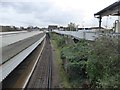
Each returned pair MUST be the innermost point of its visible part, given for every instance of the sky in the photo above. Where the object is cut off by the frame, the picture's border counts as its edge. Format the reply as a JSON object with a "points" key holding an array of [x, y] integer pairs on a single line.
{"points": [[48, 12]]}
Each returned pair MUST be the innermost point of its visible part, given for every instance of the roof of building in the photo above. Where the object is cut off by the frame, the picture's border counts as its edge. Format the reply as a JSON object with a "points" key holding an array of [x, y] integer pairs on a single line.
{"points": [[113, 9], [52, 26], [96, 27]]}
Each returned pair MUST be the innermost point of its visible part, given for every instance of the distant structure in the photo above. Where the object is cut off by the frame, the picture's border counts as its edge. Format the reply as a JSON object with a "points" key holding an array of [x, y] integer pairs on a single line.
{"points": [[52, 27], [61, 28], [84, 28], [44, 29], [0, 28], [90, 28], [113, 10], [8, 28]]}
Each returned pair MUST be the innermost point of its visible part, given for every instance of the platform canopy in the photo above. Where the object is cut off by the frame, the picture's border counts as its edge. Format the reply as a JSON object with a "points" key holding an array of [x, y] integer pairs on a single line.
{"points": [[113, 10]]}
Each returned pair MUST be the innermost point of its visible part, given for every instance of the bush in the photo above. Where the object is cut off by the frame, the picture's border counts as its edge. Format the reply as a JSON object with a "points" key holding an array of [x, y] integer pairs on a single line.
{"points": [[74, 60], [96, 61], [60, 40], [103, 65]]}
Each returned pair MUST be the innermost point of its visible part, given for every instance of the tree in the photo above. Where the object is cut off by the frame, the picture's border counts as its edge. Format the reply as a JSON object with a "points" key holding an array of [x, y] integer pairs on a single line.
{"points": [[72, 26]]}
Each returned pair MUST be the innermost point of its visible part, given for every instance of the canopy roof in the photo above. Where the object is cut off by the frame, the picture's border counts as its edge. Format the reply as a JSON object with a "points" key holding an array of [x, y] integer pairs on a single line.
{"points": [[113, 9]]}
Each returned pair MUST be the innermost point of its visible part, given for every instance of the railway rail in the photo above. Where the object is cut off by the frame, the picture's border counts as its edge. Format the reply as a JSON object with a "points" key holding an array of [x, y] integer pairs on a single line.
{"points": [[41, 77]]}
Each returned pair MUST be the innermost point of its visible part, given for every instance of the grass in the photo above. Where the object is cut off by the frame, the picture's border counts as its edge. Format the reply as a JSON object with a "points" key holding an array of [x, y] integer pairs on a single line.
{"points": [[63, 79]]}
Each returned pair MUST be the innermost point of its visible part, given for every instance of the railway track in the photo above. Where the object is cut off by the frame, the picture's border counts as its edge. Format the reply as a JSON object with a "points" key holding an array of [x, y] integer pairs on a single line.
{"points": [[35, 71], [41, 77]]}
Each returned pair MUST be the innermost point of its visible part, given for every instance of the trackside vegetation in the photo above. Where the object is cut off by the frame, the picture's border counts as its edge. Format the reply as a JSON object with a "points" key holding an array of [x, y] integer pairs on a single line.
{"points": [[90, 64]]}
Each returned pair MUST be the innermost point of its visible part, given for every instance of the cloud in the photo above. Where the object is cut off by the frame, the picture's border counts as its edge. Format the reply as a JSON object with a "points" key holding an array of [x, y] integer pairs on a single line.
{"points": [[45, 12], [30, 13]]}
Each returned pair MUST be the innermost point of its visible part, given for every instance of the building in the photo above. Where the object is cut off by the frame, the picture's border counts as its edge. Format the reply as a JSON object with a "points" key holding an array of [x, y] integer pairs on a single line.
{"points": [[113, 10], [9, 28], [52, 27], [61, 28], [0, 28], [83, 28], [6, 28]]}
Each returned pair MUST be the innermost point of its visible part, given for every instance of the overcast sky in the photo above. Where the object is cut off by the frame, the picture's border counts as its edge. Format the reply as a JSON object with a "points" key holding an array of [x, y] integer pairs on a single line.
{"points": [[60, 12]]}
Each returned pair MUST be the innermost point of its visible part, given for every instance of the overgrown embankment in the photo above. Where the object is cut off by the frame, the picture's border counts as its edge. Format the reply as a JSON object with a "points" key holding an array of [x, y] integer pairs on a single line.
{"points": [[58, 42], [90, 64]]}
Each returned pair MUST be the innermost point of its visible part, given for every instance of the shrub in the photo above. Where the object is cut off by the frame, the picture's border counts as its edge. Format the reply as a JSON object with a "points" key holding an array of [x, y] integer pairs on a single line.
{"points": [[103, 65]]}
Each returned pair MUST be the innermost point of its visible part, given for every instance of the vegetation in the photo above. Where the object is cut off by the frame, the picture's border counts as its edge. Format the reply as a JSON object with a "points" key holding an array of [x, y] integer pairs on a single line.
{"points": [[103, 65], [74, 60], [72, 26], [91, 64], [63, 79]]}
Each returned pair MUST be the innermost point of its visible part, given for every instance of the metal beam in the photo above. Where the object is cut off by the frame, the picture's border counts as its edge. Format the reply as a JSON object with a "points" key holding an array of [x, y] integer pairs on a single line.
{"points": [[100, 21]]}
